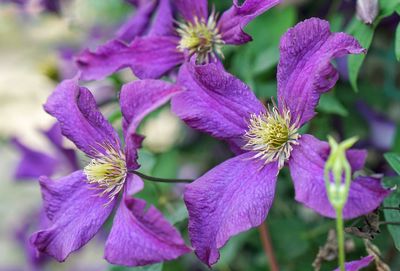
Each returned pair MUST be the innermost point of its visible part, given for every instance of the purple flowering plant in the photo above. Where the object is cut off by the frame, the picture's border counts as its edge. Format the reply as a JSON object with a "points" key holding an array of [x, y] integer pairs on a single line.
{"points": [[79, 204], [235, 144], [169, 42], [238, 194]]}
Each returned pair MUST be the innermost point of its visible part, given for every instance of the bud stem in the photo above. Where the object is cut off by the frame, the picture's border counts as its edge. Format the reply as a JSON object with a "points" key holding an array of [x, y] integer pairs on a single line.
{"points": [[340, 238], [337, 167]]}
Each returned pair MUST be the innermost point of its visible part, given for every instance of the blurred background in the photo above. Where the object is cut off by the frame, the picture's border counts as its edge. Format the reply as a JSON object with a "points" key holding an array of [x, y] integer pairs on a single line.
{"points": [[38, 40]]}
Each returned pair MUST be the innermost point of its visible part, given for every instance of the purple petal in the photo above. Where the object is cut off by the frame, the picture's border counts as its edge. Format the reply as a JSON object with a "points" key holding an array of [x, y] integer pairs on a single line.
{"points": [[357, 265], [55, 137], [356, 158], [141, 97], [141, 236], [76, 211], [148, 57], [80, 121], [163, 24], [215, 102], [304, 70], [134, 184], [231, 198], [382, 129], [237, 17], [138, 99], [33, 163], [190, 9], [307, 170], [138, 23], [133, 142]]}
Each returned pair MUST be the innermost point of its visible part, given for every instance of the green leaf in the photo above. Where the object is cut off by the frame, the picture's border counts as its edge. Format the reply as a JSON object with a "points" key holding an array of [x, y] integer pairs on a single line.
{"points": [[387, 7], [364, 34], [291, 244], [393, 216], [396, 141], [262, 54], [391, 182], [393, 160], [330, 104], [166, 165], [266, 60], [230, 251], [397, 42]]}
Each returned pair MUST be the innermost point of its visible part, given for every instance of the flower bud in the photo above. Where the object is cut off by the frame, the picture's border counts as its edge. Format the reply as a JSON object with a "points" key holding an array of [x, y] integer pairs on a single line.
{"points": [[338, 172], [367, 10]]}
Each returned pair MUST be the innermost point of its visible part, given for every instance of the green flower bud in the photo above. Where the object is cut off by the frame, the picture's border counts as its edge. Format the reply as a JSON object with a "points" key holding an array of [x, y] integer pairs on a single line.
{"points": [[338, 172]]}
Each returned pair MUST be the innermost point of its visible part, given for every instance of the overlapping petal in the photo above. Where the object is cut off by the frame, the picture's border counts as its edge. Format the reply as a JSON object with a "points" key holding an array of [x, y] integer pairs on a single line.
{"points": [[358, 264], [148, 57], [76, 212], [190, 9], [55, 137], [134, 184], [33, 163], [75, 109], [238, 16], [304, 70], [215, 101], [163, 24], [233, 197], [138, 23], [138, 99], [141, 97], [307, 170], [141, 236]]}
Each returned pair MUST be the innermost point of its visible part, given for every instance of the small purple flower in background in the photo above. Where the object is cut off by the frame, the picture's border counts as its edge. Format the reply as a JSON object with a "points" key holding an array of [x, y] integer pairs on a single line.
{"points": [[237, 194], [34, 163], [358, 264], [79, 204], [382, 130], [166, 45], [53, 6], [35, 220]]}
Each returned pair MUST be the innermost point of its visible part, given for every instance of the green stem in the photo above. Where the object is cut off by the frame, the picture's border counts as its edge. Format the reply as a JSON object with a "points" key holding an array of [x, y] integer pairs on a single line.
{"points": [[160, 180], [340, 238]]}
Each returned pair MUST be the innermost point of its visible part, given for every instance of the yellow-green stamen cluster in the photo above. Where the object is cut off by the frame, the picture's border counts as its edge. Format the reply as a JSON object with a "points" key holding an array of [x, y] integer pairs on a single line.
{"points": [[107, 170], [271, 135], [201, 38]]}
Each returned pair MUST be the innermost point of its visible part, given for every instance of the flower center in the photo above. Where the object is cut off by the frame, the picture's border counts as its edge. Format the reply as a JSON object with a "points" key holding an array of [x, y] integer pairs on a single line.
{"points": [[271, 135], [107, 170], [201, 38]]}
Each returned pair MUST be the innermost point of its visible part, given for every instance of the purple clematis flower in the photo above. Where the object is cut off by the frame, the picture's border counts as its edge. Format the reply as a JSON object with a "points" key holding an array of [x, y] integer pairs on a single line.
{"points": [[79, 204], [36, 163], [166, 45], [237, 195], [358, 264]]}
